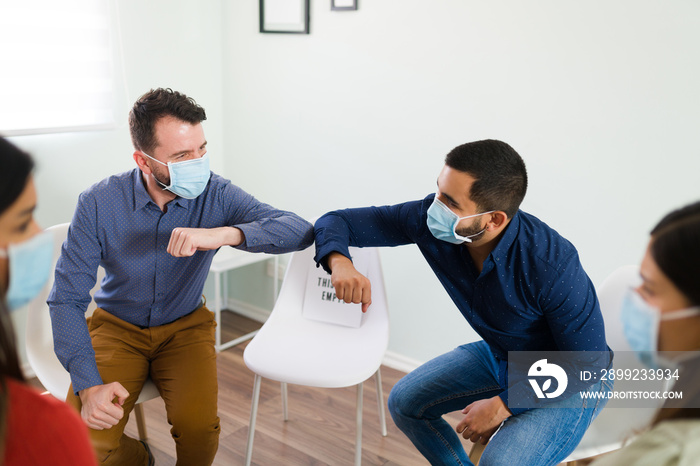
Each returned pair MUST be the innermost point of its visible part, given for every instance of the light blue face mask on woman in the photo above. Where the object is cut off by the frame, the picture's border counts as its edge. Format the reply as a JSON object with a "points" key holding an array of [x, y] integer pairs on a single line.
{"points": [[640, 322], [29, 268], [187, 179], [442, 223]]}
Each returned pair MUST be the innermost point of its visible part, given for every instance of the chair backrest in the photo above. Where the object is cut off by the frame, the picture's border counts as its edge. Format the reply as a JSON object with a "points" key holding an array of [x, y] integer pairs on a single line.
{"points": [[291, 298], [39, 337], [610, 295], [614, 425], [292, 348]]}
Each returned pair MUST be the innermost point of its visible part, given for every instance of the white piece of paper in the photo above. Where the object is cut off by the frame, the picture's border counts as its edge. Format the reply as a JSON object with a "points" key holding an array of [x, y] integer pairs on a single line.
{"points": [[321, 302]]}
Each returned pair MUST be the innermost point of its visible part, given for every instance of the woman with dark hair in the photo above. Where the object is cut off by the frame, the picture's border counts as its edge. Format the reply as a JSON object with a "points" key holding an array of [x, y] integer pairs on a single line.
{"points": [[34, 429], [662, 323]]}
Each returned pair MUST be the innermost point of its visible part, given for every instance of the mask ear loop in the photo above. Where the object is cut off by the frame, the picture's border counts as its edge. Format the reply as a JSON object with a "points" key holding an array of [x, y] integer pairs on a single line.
{"points": [[681, 313], [467, 239], [671, 315], [163, 186]]}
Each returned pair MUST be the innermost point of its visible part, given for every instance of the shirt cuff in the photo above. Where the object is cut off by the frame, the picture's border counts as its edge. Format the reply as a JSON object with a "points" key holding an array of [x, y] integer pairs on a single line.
{"points": [[323, 252], [84, 374], [514, 411]]}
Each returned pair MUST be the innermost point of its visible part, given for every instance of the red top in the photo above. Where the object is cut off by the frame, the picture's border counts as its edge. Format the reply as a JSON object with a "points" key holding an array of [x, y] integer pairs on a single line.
{"points": [[42, 430]]}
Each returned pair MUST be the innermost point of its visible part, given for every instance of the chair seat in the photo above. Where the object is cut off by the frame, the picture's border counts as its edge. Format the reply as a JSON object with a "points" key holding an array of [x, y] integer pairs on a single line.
{"points": [[334, 357]]}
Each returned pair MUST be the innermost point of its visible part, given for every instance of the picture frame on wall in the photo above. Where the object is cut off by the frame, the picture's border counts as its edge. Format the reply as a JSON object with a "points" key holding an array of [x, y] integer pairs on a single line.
{"points": [[343, 5], [284, 16]]}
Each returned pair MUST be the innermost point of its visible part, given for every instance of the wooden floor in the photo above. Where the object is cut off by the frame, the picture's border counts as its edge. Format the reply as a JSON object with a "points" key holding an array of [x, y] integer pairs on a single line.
{"points": [[321, 426]]}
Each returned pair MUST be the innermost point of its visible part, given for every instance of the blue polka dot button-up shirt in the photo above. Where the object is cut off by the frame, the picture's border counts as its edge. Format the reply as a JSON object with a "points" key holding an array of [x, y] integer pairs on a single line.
{"points": [[116, 225], [531, 295]]}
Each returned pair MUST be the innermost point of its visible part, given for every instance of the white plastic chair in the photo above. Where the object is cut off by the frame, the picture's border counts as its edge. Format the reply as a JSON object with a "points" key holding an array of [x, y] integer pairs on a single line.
{"points": [[39, 340], [613, 426], [290, 348]]}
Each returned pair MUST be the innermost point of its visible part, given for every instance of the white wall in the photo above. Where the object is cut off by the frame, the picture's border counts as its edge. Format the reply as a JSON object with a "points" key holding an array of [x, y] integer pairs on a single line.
{"points": [[164, 43], [600, 99]]}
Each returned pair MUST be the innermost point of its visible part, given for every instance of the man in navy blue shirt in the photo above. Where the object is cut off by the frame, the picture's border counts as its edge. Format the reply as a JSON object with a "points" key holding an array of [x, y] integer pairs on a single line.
{"points": [[517, 282], [155, 230]]}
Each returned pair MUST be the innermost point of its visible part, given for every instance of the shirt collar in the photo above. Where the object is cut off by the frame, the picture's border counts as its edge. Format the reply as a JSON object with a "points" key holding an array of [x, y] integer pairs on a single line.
{"points": [[508, 238], [142, 198]]}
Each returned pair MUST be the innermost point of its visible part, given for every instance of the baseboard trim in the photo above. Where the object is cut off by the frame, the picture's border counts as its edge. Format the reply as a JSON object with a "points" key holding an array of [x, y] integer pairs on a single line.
{"points": [[248, 310], [400, 362]]}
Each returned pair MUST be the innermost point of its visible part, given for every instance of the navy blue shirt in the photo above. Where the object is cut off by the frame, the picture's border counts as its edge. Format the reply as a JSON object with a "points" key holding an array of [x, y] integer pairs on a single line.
{"points": [[117, 225], [532, 293]]}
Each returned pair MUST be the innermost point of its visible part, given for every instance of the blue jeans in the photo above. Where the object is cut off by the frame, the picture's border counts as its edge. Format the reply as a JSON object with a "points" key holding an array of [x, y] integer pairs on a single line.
{"points": [[450, 382]]}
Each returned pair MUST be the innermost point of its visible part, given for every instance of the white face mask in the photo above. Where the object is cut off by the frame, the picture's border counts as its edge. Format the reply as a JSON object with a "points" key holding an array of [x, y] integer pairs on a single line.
{"points": [[641, 326], [188, 179]]}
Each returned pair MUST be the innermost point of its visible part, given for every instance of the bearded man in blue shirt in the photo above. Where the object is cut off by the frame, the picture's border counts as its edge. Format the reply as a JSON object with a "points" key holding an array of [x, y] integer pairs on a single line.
{"points": [[517, 282], [155, 231]]}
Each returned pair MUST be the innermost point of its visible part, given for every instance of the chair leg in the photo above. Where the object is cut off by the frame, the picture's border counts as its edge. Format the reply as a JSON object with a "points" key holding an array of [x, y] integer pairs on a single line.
{"points": [[476, 452], [380, 403], [140, 422], [285, 412], [253, 416], [358, 430]]}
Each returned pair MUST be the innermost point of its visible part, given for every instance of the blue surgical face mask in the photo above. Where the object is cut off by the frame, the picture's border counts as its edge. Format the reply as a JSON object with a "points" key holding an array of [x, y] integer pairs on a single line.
{"points": [[187, 179], [29, 268], [640, 322], [442, 223]]}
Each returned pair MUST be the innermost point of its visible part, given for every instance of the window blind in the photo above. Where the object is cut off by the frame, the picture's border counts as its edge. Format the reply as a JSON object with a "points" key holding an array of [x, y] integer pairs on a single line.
{"points": [[56, 67]]}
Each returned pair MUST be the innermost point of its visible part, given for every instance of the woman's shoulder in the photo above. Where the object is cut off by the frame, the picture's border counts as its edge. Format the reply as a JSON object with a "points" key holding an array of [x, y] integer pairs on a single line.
{"points": [[25, 398], [43, 428], [677, 430], [670, 442]]}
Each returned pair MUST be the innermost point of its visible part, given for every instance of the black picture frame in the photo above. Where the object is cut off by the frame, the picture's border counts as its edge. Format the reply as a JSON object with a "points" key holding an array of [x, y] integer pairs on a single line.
{"points": [[344, 5], [275, 20]]}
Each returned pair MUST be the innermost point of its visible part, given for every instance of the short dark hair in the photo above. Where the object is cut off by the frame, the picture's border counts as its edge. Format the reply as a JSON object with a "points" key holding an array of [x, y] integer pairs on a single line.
{"points": [[154, 105], [15, 168], [499, 173], [675, 247], [16, 165]]}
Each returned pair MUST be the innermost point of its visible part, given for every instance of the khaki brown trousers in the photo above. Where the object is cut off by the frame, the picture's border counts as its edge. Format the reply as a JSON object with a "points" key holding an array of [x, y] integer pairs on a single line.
{"points": [[180, 358]]}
